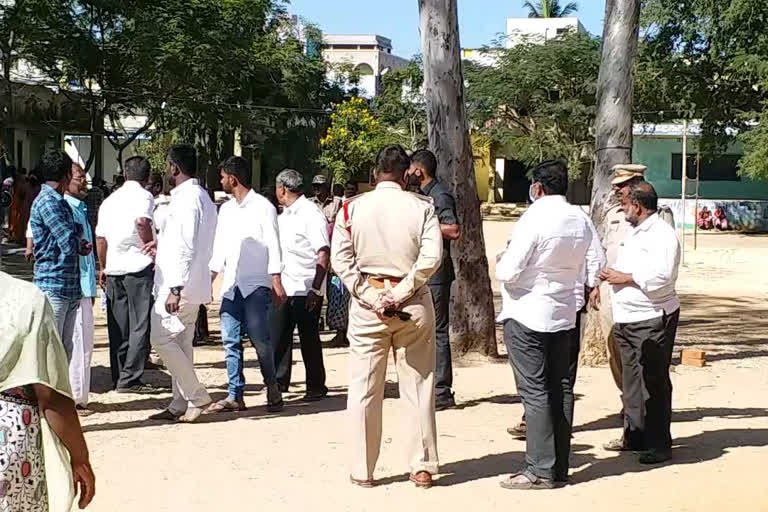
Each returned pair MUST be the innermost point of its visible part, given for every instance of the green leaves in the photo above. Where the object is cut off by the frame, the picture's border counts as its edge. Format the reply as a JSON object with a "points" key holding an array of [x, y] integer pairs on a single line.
{"points": [[539, 99], [708, 60]]}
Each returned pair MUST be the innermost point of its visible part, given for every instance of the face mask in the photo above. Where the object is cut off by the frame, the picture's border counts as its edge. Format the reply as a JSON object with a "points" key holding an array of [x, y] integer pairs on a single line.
{"points": [[530, 193]]}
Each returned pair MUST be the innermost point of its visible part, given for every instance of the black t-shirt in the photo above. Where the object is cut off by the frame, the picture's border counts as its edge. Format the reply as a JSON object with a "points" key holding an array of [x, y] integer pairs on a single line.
{"points": [[445, 207]]}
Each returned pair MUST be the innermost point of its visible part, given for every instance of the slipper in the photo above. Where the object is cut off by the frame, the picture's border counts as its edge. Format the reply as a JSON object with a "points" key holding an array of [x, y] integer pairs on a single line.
{"points": [[366, 484]]}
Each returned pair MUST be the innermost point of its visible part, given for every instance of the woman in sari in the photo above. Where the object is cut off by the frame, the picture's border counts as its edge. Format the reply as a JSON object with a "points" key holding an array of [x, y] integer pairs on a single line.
{"points": [[44, 460]]}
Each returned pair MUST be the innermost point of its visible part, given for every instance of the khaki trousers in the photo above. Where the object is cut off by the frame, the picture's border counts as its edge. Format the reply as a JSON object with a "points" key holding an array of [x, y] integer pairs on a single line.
{"points": [[606, 326], [172, 340], [413, 342]]}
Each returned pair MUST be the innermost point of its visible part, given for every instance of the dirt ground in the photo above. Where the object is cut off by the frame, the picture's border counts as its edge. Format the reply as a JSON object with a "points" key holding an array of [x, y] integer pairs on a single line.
{"points": [[296, 460]]}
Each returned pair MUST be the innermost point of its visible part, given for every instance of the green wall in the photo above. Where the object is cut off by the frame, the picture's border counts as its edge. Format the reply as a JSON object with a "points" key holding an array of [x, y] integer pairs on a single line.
{"points": [[656, 153]]}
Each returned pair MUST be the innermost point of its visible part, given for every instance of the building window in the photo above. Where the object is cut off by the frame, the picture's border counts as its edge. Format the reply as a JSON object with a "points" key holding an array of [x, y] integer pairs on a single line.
{"points": [[562, 31], [719, 168]]}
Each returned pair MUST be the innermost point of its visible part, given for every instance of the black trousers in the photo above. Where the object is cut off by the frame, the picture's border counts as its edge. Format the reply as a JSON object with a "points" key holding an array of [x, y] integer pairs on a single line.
{"points": [[129, 302], [441, 297], [541, 363], [283, 319], [574, 340], [646, 353]]}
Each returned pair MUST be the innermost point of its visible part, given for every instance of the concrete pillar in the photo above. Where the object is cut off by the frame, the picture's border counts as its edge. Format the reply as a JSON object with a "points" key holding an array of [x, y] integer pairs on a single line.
{"points": [[499, 168]]}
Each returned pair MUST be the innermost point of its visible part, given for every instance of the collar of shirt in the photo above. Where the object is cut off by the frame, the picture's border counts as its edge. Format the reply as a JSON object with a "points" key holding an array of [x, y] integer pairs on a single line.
{"points": [[250, 196], [180, 188], [646, 224], [426, 190], [75, 202], [296, 207], [388, 185], [47, 189]]}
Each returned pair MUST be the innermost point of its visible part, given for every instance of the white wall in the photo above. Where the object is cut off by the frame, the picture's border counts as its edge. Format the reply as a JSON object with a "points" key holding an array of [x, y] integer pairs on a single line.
{"points": [[538, 29], [78, 147]]}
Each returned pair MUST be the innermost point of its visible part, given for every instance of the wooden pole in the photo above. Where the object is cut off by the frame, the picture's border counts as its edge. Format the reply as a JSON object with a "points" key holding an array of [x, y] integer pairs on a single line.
{"points": [[684, 182]]}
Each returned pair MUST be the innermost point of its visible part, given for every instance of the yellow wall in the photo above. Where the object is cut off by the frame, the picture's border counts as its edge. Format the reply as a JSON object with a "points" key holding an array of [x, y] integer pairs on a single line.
{"points": [[484, 166]]}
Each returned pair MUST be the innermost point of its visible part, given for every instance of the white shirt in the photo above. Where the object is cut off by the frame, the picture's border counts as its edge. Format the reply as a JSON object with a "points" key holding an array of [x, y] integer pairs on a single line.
{"points": [[595, 262], [117, 224], [185, 245], [303, 232], [247, 247], [545, 265], [161, 211], [651, 254]]}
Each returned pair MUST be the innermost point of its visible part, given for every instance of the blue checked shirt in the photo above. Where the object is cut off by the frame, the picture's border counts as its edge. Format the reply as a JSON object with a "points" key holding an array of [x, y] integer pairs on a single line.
{"points": [[57, 242]]}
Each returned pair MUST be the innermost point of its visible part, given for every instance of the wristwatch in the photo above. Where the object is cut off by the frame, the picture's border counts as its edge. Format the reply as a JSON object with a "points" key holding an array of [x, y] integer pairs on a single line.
{"points": [[176, 290], [316, 292]]}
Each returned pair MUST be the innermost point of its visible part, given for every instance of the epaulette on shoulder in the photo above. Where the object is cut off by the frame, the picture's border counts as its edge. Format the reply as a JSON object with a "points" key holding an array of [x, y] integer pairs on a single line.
{"points": [[350, 199], [425, 198]]}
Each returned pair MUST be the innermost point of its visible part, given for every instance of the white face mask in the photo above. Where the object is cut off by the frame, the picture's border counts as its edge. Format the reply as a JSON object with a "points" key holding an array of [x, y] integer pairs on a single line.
{"points": [[530, 193]]}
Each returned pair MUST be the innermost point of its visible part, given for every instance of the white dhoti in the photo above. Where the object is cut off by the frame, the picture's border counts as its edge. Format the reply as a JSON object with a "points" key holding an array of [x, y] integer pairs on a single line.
{"points": [[82, 352]]}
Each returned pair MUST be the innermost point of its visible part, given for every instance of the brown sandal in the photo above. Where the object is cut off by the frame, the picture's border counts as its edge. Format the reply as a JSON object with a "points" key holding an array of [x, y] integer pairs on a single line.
{"points": [[422, 479], [366, 484], [226, 405]]}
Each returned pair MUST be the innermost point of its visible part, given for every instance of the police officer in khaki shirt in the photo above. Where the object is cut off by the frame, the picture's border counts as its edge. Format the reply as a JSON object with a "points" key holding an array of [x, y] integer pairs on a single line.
{"points": [[616, 230], [386, 245]]}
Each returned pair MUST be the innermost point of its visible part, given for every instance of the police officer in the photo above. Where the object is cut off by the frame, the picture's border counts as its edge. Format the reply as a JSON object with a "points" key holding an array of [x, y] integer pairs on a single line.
{"points": [[424, 167], [616, 229], [386, 245]]}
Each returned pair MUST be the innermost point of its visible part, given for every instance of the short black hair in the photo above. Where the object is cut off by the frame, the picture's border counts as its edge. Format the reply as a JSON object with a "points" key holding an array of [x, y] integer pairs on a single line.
{"points": [[393, 160], [184, 157], [427, 160], [644, 194], [338, 189], [55, 165], [351, 185], [238, 167], [553, 177], [137, 168]]}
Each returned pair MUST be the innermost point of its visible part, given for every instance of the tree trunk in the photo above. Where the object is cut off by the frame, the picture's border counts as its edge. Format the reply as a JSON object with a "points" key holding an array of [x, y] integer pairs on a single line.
{"points": [[472, 312], [613, 130]]}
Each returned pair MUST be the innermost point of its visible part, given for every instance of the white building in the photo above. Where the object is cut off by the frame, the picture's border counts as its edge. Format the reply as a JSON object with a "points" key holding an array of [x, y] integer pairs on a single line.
{"points": [[371, 55], [539, 29]]}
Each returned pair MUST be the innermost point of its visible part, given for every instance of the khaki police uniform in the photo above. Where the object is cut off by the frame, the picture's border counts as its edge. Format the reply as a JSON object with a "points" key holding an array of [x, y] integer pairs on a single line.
{"points": [[615, 231], [389, 239]]}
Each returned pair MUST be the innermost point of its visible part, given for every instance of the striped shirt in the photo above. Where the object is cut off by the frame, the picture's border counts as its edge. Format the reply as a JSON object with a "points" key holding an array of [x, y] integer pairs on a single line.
{"points": [[57, 242]]}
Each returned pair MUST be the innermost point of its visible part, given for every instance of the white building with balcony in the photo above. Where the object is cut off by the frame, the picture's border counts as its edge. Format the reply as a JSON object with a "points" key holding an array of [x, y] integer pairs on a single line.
{"points": [[539, 29], [370, 55]]}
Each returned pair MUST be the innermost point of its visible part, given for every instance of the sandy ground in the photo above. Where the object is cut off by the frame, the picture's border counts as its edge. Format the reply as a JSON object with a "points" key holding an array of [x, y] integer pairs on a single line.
{"points": [[296, 460]]}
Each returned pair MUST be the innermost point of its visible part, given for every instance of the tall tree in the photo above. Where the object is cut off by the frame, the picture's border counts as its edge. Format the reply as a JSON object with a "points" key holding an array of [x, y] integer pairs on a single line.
{"points": [[472, 312], [613, 126], [550, 9]]}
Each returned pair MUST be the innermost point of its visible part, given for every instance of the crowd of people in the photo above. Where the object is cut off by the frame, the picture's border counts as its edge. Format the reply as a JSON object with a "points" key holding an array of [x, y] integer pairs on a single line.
{"points": [[158, 243]]}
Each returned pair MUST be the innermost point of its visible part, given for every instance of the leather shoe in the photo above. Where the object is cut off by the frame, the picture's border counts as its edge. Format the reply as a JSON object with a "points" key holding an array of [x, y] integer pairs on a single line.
{"points": [[655, 456], [445, 402], [422, 479]]}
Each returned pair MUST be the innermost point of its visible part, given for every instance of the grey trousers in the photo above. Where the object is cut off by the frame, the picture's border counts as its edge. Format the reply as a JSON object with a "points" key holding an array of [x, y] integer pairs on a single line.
{"points": [[541, 363]]}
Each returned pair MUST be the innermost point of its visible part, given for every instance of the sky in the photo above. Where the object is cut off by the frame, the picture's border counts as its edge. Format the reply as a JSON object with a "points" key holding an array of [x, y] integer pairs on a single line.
{"points": [[480, 21]]}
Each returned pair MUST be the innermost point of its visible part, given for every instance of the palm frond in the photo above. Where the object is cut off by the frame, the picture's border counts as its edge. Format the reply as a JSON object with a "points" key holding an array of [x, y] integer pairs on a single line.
{"points": [[533, 11], [569, 9]]}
